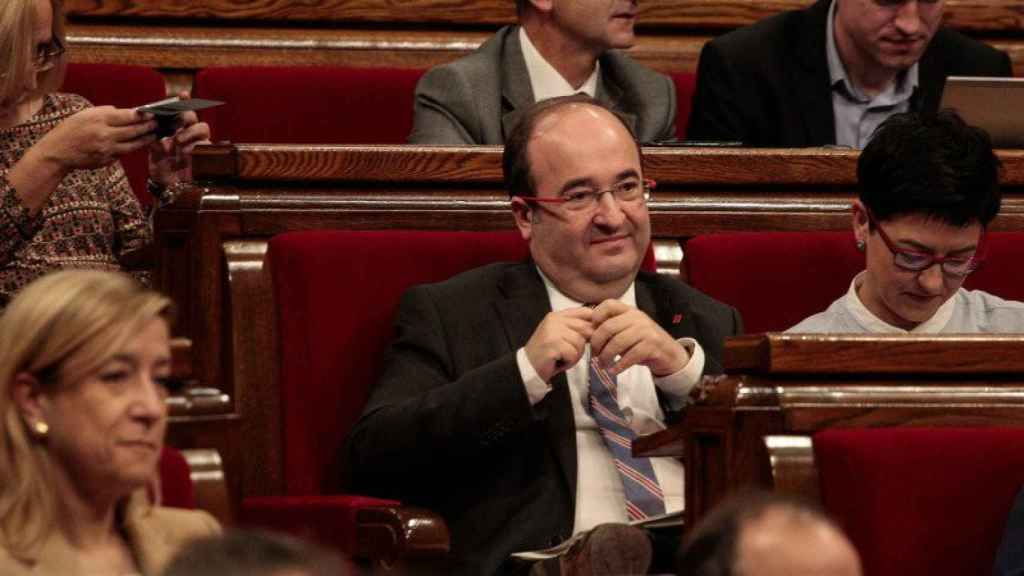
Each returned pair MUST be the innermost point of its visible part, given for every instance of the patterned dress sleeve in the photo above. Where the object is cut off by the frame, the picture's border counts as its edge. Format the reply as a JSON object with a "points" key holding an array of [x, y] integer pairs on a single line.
{"points": [[17, 225], [133, 236]]}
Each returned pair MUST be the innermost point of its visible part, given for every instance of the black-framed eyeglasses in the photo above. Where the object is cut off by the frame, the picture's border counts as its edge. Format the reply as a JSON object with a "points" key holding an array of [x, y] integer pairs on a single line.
{"points": [[581, 200], [915, 261], [47, 54]]}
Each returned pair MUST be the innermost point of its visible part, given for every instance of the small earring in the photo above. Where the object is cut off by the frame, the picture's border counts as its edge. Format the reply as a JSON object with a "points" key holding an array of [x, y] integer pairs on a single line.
{"points": [[41, 428], [861, 245]]}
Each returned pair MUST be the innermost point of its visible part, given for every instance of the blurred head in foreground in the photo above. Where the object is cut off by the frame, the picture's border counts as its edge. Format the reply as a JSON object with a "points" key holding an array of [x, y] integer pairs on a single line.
{"points": [[764, 534]]}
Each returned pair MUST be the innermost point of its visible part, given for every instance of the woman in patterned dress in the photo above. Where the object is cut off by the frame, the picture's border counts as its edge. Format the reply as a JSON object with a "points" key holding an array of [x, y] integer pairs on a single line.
{"points": [[64, 199]]}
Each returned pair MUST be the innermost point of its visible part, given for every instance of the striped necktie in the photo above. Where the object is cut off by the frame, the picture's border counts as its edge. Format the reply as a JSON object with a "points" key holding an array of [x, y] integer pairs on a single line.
{"points": [[644, 498]]}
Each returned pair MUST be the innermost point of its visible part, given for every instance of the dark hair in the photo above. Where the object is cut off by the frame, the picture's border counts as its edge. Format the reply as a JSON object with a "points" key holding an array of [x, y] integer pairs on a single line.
{"points": [[931, 164], [515, 163], [711, 549], [253, 553]]}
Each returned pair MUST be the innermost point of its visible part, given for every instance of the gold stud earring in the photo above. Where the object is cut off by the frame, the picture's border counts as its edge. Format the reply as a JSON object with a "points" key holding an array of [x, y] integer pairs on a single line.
{"points": [[41, 428]]}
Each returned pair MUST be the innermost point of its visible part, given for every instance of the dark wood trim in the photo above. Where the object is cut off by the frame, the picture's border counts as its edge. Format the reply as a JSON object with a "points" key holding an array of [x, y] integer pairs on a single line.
{"points": [[974, 15]]}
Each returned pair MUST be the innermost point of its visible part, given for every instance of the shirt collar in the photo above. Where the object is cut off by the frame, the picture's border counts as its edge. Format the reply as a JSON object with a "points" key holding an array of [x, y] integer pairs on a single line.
{"points": [[560, 301], [902, 89], [876, 325], [545, 80]]}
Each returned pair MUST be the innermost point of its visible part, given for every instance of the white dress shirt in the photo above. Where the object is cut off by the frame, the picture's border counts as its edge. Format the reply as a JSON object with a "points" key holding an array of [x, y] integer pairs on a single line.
{"points": [[599, 494], [545, 80]]}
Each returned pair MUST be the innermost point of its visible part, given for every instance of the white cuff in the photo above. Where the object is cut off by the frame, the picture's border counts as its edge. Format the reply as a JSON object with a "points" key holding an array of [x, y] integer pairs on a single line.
{"points": [[536, 388], [677, 385]]}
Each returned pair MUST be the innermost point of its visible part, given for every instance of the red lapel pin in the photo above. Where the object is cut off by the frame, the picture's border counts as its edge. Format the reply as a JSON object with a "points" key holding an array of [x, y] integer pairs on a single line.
{"points": [[677, 319]]}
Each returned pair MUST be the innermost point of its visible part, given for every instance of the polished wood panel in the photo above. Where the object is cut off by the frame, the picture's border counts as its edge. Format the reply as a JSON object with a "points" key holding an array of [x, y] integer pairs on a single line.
{"points": [[181, 37], [207, 473], [984, 15], [785, 384]]}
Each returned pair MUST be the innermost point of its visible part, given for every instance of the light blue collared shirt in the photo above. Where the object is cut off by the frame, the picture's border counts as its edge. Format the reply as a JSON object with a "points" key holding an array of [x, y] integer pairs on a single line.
{"points": [[856, 115]]}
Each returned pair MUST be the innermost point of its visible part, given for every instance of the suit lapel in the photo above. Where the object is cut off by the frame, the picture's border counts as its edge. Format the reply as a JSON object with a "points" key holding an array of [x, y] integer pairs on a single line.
{"points": [[516, 90], [673, 314], [930, 81], [146, 538], [524, 307], [810, 79], [609, 92]]}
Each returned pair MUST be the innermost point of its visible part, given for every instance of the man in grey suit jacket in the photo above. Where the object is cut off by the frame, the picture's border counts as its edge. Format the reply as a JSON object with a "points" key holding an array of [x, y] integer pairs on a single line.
{"points": [[560, 47], [482, 410], [831, 73]]}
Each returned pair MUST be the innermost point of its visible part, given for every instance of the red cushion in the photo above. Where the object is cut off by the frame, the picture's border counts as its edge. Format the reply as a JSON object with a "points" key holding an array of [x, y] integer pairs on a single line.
{"points": [[309, 105], [686, 84], [176, 488], [329, 520], [999, 274], [775, 279], [921, 501], [336, 294], [122, 86]]}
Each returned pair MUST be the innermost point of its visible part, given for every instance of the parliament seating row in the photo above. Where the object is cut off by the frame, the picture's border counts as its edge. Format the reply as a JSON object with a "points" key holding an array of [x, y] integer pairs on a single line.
{"points": [[213, 241], [181, 38], [777, 279], [298, 105], [329, 299]]}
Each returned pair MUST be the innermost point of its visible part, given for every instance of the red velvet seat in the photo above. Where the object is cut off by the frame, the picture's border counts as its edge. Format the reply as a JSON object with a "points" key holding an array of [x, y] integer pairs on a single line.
{"points": [[921, 501], [336, 293], [686, 85], [309, 105], [776, 279], [176, 488], [122, 86]]}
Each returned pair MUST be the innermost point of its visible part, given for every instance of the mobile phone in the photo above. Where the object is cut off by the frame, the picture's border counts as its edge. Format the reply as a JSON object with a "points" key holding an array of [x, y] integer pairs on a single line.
{"points": [[167, 112]]}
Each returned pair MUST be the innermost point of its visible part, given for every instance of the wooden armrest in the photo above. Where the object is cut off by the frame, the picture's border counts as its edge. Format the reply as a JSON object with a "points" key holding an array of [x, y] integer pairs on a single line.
{"points": [[207, 473], [667, 442], [793, 468], [388, 535]]}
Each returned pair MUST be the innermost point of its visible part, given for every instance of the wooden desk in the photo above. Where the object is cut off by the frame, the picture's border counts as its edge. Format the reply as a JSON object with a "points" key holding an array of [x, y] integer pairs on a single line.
{"points": [[797, 384]]}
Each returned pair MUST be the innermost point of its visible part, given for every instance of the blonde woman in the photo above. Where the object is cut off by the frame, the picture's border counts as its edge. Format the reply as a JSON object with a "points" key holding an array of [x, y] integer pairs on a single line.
{"points": [[84, 356], [64, 199]]}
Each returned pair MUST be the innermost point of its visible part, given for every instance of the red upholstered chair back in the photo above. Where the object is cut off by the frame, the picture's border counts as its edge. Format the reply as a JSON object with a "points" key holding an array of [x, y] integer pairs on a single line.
{"points": [[309, 105], [1000, 273], [921, 501], [686, 84], [336, 294], [123, 86], [775, 279], [176, 488]]}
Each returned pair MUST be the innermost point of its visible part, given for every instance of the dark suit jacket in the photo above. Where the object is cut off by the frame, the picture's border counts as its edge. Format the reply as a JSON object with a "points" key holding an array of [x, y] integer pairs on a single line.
{"points": [[478, 99], [1010, 556], [449, 426], [768, 84]]}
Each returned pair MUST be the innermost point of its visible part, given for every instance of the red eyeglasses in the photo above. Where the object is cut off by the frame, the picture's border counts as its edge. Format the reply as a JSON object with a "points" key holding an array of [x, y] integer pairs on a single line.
{"points": [[914, 261], [584, 199]]}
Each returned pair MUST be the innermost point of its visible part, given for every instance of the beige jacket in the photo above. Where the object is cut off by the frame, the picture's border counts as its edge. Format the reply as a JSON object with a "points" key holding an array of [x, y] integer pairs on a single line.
{"points": [[154, 535]]}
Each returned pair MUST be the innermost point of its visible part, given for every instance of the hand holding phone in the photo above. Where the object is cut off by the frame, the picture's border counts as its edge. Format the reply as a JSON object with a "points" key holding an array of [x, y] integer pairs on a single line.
{"points": [[168, 112]]}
